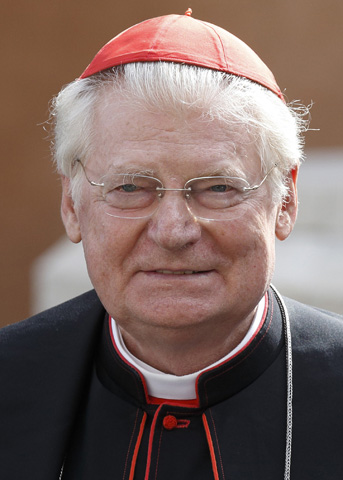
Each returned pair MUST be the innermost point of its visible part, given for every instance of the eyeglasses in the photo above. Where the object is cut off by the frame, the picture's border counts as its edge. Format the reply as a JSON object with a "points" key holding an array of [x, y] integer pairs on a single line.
{"points": [[136, 196]]}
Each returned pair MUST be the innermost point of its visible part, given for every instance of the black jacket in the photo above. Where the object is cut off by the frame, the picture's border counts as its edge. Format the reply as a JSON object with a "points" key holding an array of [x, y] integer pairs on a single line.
{"points": [[67, 398]]}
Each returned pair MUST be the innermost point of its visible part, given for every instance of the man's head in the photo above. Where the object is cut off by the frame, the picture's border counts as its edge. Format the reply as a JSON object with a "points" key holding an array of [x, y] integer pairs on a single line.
{"points": [[150, 62], [160, 117], [181, 90]]}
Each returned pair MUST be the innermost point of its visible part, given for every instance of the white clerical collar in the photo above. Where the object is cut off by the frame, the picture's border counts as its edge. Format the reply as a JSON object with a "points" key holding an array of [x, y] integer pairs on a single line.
{"points": [[173, 387]]}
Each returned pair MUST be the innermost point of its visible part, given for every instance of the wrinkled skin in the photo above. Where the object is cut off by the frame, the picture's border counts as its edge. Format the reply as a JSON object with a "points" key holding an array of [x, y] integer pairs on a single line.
{"points": [[177, 323]]}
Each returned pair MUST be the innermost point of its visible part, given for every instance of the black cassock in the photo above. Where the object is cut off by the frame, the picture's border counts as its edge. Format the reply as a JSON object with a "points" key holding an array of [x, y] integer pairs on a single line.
{"points": [[68, 398]]}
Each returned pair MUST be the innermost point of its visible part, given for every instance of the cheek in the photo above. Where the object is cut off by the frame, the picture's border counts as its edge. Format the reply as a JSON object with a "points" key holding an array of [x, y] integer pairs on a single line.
{"points": [[248, 242], [263, 251], [96, 241], [234, 239], [109, 245]]}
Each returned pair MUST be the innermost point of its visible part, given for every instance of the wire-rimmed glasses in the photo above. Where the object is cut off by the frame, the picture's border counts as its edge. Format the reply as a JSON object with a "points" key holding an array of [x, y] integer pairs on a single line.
{"points": [[137, 196]]}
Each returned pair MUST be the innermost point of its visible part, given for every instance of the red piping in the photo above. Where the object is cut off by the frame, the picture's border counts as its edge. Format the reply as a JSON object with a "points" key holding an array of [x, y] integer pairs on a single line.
{"points": [[151, 439], [239, 351], [136, 450], [210, 444], [178, 403], [127, 363]]}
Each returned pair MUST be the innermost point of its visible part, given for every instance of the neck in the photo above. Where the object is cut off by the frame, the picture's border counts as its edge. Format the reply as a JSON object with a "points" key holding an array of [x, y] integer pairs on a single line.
{"points": [[190, 350]]}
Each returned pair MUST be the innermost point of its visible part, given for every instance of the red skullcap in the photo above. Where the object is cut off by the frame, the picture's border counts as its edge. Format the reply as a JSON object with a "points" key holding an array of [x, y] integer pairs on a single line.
{"points": [[183, 39]]}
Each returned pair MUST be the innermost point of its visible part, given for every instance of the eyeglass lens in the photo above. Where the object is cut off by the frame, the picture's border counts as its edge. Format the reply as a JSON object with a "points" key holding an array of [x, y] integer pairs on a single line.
{"points": [[210, 198]]}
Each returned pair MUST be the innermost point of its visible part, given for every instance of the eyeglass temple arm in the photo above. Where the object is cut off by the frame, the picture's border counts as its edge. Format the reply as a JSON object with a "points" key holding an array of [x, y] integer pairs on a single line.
{"points": [[255, 187], [94, 184]]}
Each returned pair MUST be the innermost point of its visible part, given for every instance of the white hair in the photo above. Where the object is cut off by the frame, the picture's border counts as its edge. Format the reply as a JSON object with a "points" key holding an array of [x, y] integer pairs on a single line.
{"points": [[275, 128]]}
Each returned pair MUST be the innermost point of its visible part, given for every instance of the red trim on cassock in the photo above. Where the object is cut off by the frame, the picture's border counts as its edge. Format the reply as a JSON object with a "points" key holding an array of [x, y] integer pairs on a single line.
{"points": [[193, 403], [138, 443], [210, 444], [128, 363], [151, 439], [178, 403], [239, 351]]}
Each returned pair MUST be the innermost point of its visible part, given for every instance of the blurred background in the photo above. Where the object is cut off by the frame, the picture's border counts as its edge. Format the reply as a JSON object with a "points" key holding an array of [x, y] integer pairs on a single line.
{"points": [[48, 43]]}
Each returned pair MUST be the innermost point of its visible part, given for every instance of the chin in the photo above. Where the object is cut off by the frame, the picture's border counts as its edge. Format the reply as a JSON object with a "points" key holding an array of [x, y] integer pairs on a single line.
{"points": [[173, 314]]}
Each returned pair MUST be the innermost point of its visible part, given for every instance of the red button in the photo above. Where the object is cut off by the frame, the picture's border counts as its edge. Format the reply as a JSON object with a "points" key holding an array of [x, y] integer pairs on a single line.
{"points": [[169, 422]]}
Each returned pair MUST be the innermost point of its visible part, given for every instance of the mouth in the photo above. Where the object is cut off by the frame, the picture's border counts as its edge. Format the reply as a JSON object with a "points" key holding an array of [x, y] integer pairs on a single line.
{"points": [[180, 272]]}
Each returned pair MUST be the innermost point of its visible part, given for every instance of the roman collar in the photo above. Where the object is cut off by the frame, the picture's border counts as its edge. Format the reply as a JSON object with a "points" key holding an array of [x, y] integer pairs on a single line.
{"points": [[213, 385]]}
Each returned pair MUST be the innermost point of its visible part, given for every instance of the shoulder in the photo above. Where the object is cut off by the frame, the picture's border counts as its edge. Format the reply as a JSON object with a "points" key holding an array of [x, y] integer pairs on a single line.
{"points": [[316, 318], [45, 364], [55, 338], [55, 321], [314, 329], [51, 350]]}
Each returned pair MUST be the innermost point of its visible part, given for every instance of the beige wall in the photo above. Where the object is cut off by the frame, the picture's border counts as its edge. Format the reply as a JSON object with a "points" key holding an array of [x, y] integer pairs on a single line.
{"points": [[47, 43]]}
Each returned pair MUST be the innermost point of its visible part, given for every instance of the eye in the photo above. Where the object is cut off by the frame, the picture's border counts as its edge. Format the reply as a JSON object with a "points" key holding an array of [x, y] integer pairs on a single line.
{"points": [[128, 188], [220, 188]]}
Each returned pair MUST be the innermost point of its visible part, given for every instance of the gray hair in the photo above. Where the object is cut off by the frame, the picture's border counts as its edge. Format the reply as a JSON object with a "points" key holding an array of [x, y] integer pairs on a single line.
{"points": [[274, 127]]}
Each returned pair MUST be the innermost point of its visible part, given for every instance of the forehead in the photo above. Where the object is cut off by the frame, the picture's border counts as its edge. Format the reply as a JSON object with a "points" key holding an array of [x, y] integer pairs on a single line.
{"points": [[128, 133]]}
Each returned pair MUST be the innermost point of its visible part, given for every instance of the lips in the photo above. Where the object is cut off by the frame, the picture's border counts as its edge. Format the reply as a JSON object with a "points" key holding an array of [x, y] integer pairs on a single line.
{"points": [[177, 272]]}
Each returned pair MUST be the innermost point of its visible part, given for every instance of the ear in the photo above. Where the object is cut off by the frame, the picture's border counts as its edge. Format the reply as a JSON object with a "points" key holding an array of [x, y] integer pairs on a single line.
{"points": [[68, 213], [288, 210]]}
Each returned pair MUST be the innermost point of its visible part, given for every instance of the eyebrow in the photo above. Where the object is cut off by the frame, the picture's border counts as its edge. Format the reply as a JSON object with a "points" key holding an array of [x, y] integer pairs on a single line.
{"points": [[214, 171], [129, 170], [221, 171]]}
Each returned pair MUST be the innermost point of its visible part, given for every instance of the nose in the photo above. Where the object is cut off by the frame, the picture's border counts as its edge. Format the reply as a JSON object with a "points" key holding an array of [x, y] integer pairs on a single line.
{"points": [[172, 226]]}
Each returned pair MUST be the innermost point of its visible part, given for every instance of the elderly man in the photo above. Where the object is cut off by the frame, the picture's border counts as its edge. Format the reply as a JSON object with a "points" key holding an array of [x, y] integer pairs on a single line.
{"points": [[179, 159]]}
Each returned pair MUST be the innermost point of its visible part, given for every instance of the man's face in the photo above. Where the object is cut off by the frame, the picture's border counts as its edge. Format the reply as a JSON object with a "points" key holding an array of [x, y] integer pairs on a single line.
{"points": [[137, 266]]}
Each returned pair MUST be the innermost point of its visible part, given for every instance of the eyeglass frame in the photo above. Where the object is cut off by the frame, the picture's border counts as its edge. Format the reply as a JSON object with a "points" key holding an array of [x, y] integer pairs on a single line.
{"points": [[184, 189]]}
